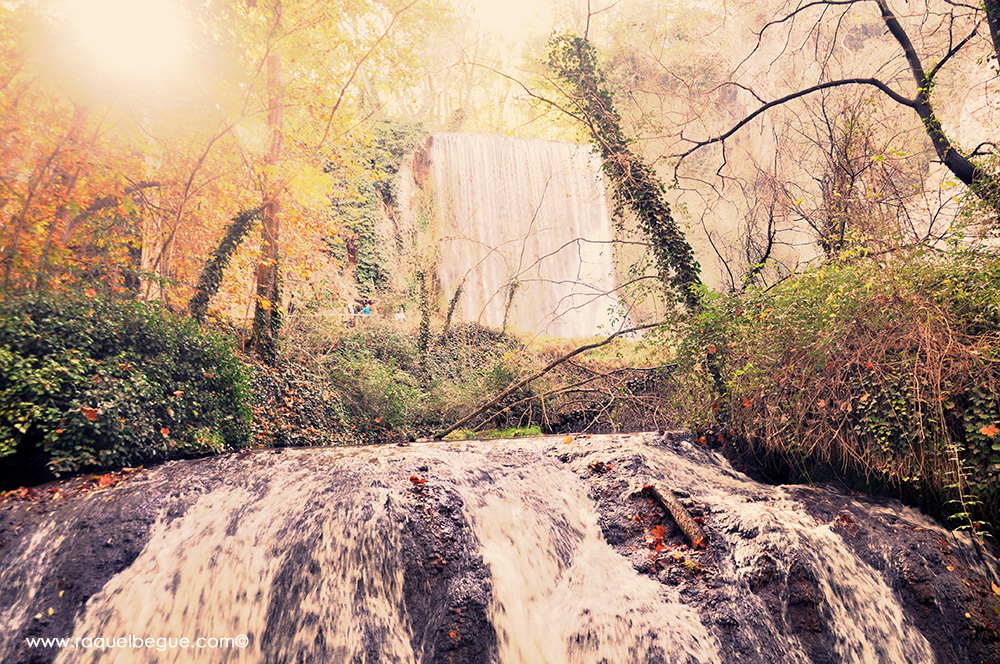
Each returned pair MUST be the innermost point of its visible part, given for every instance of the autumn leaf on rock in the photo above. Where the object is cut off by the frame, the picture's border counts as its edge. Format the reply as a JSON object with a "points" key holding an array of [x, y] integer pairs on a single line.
{"points": [[654, 538]]}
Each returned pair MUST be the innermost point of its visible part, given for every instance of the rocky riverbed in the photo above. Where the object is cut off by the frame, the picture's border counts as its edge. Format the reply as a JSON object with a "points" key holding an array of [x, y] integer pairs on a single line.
{"points": [[529, 550]]}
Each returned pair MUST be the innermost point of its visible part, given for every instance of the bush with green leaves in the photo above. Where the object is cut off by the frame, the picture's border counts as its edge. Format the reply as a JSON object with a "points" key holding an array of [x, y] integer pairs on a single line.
{"points": [[390, 389], [92, 383], [885, 373]]}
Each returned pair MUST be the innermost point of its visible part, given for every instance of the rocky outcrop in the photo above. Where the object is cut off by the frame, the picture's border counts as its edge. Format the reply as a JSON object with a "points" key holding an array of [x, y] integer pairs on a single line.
{"points": [[484, 551]]}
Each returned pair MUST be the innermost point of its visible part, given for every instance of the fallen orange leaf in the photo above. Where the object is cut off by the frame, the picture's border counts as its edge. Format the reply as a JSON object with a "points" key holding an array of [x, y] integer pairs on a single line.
{"points": [[996, 588], [990, 431], [89, 413]]}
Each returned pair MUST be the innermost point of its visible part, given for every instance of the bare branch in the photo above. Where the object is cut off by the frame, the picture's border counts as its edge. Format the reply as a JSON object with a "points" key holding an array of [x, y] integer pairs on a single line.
{"points": [[951, 52], [513, 387], [874, 82]]}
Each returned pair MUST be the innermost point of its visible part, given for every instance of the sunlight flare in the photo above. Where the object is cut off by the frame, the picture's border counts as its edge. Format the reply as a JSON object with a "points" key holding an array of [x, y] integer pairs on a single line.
{"points": [[133, 37]]}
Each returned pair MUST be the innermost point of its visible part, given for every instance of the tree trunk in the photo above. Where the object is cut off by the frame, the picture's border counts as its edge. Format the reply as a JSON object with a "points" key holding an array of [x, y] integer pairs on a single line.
{"points": [[267, 310], [982, 183], [992, 8]]}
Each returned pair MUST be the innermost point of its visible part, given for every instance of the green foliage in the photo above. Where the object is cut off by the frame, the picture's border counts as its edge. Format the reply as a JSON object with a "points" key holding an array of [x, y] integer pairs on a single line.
{"points": [[391, 389], [635, 185], [88, 383], [367, 170], [886, 373]]}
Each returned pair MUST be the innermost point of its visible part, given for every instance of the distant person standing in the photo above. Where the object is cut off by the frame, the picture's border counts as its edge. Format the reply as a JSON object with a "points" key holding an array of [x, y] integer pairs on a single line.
{"points": [[400, 315]]}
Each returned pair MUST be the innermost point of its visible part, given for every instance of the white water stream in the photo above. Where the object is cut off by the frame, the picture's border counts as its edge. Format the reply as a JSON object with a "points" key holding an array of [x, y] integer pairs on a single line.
{"points": [[302, 553]]}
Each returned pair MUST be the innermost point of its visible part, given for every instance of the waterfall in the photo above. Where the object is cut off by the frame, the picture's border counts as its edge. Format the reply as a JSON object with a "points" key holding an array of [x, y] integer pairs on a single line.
{"points": [[524, 229], [529, 551]]}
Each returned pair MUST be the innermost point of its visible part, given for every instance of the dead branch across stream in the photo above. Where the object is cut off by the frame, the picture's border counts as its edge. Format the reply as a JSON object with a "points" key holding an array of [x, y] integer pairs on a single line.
{"points": [[538, 374]]}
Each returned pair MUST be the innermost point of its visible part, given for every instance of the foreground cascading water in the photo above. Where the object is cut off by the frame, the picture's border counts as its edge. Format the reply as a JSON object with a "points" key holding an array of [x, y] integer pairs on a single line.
{"points": [[535, 551], [525, 232]]}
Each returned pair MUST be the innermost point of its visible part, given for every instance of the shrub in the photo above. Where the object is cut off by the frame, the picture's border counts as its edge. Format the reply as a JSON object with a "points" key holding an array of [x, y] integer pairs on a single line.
{"points": [[89, 383], [390, 390], [886, 373]]}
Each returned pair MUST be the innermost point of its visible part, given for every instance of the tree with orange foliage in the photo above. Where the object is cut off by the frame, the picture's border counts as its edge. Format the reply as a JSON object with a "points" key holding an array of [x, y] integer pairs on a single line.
{"points": [[121, 167]]}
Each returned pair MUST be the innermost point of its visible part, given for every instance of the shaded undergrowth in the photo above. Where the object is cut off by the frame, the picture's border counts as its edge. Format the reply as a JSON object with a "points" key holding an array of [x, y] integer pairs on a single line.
{"points": [[374, 384], [883, 374], [90, 382]]}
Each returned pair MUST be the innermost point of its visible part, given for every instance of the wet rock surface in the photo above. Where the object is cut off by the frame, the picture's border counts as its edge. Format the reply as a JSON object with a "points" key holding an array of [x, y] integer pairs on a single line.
{"points": [[446, 584], [391, 540], [940, 579], [75, 542]]}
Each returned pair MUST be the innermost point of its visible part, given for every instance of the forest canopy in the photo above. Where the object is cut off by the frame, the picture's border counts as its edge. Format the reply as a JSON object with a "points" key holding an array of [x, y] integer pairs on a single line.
{"points": [[133, 136], [237, 158]]}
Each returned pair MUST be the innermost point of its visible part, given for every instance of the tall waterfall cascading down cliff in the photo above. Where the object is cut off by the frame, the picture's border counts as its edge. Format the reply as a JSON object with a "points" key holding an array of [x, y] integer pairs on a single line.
{"points": [[524, 226], [527, 551]]}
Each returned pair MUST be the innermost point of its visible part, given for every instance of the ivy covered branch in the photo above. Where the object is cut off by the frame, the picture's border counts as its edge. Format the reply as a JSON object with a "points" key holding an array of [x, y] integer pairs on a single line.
{"points": [[635, 185]]}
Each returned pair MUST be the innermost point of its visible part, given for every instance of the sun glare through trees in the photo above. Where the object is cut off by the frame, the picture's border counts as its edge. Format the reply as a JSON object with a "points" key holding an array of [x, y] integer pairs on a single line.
{"points": [[129, 37]]}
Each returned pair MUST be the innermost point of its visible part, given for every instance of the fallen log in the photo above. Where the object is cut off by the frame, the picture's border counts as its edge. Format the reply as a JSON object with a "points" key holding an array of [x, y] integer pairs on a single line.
{"points": [[681, 516], [521, 383]]}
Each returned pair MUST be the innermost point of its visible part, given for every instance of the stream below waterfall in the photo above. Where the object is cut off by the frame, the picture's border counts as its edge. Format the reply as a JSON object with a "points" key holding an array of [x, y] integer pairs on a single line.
{"points": [[542, 550]]}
